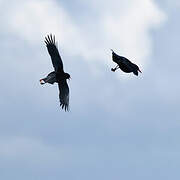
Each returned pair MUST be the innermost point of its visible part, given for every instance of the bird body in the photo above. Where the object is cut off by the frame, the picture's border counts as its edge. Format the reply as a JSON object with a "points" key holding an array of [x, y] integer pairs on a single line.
{"points": [[124, 64], [57, 76], [54, 77]]}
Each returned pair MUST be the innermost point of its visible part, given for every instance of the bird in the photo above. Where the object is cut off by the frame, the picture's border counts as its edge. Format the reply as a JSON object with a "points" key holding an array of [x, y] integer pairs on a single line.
{"points": [[58, 75], [124, 64]]}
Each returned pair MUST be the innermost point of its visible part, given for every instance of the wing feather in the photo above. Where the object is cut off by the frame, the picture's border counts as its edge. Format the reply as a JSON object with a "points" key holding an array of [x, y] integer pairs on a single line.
{"points": [[64, 95], [54, 53], [122, 60], [127, 63]]}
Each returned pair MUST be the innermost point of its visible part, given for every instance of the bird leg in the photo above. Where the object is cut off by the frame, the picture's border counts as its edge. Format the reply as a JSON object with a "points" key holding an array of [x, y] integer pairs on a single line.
{"points": [[117, 67], [114, 69]]}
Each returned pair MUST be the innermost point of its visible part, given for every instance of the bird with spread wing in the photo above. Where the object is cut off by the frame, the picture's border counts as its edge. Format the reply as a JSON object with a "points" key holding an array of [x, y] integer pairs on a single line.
{"points": [[124, 64], [58, 75]]}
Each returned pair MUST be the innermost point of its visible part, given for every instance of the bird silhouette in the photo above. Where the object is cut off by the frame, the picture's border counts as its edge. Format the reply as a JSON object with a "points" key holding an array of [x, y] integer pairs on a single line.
{"points": [[57, 76], [124, 64]]}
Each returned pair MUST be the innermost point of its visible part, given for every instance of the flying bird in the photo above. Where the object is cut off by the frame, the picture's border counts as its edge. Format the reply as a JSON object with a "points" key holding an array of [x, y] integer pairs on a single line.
{"points": [[124, 64], [58, 75]]}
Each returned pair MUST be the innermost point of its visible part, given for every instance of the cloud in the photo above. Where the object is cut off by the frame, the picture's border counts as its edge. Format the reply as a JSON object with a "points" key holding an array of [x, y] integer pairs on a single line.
{"points": [[114, 127], [131, 28], [121, 25], [171, 4]]}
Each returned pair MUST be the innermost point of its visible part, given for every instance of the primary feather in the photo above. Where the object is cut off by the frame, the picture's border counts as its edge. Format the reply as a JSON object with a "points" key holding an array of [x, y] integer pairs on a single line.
{"points": [[54, 53], [64, 95]]}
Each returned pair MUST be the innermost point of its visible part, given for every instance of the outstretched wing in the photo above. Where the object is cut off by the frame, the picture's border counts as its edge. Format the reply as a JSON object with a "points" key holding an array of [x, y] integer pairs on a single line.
{"points": [[64, 95], [54, 53]]}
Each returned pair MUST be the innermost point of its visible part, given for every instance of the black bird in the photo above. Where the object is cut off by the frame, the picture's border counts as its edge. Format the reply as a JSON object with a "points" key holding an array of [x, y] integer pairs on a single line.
{"points": [[58, 76], [124, 64]]}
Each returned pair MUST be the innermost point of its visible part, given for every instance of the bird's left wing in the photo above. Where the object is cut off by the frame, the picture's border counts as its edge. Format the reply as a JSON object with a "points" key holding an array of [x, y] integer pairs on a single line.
{"points": [[64, 95], [54, 53]]}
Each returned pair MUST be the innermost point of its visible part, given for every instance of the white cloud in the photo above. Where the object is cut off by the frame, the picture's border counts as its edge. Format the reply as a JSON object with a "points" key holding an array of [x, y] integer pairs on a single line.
{"points": [[121, 25], [171, 3]]}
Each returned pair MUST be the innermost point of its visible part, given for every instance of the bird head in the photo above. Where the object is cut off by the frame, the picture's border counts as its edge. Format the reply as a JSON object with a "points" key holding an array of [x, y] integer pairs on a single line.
{"points": [[67, 76]]}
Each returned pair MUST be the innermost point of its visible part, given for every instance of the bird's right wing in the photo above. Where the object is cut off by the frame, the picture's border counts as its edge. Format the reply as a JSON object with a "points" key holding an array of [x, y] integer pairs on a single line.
{"points": [[64, 95], [54, 53]]}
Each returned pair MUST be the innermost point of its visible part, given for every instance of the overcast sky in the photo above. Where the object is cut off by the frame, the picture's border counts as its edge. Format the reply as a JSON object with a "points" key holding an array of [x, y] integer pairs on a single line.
{"points": [[120, 126]]}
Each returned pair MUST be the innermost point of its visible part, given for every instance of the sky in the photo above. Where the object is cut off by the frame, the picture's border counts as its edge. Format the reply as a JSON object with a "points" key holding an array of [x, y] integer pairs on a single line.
{"points": [[119, 126]]}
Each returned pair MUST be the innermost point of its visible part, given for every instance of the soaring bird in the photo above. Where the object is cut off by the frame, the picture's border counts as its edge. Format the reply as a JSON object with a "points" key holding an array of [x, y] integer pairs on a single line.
{"points": [[124, 64], [58, 75]]}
